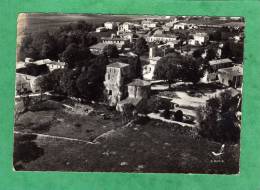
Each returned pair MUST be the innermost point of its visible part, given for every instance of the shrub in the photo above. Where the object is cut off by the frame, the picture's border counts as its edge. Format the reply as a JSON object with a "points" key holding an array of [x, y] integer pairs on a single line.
{"points": [[166, 114], [178, 116]]}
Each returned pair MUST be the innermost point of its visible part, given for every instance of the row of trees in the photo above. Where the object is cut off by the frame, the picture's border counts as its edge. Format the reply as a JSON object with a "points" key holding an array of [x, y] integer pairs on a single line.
{"points": [[174, 67], [68, 43]]}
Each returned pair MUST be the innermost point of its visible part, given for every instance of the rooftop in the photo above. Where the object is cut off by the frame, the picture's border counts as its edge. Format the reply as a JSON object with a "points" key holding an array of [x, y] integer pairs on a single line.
{"points": [[114, 39], [56, 63], [139, 82], [220, 61], [157, 58], [165, 35], [98, 46], [33, 70], [133, 101], [202, 34], [236, 70], [118, 65], [42, 61]]}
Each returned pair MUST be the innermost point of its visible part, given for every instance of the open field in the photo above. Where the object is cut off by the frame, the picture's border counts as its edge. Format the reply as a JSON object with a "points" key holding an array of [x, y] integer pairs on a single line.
{"points": [[65, 124], [36, 22], [144, 146]]}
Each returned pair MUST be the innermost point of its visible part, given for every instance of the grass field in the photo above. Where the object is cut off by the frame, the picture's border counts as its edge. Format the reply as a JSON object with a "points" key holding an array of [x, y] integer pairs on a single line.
{"points": [[147, 146], [62, 123]]}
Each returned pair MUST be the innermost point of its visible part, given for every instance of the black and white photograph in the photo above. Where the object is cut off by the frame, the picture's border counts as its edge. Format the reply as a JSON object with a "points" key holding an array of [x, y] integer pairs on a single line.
{"points": [[128, 93]]}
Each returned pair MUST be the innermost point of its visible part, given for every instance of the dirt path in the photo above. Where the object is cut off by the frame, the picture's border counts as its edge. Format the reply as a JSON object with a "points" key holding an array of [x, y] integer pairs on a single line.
{"points": [[55, 137]]}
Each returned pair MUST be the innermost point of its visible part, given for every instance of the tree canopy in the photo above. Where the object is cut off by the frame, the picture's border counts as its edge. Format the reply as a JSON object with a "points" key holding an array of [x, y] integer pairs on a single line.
{"points": [[218, 118], [169, 68], [140, 46], [192, 70], [69, 42], [111, 51]]}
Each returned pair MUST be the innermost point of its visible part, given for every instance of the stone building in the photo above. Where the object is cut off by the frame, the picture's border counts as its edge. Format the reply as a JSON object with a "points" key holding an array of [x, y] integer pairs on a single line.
{"points": [[27, 78], [117, 75], [138, 91], [215, 65], [231, 76]]}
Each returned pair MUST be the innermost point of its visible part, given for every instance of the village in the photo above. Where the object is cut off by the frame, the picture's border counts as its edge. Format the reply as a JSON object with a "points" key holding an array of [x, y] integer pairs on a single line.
{"points": [[159, 94]]}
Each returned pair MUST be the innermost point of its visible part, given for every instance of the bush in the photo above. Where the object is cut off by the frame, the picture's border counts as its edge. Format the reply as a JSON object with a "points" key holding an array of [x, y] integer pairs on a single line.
{"points": [[166, 114], [178, 116]]}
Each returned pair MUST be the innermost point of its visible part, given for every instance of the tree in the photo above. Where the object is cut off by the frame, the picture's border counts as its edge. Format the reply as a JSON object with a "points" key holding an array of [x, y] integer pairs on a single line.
{"points": [[166, 114], [215, 35], [140, 46], [70, 55], [96, 72], [44, 44], [111, 51], [197, 53], [192, 70], [68, 82], [45, 84], [169, 68], [178, 115], [226, 50], [90, 81], [55, 79], [217, 119], [139, 68], [233, 50], [211, 54], [83, 86]]}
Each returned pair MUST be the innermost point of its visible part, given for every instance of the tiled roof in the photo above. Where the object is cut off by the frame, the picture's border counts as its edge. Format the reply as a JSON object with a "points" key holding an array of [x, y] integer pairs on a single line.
{"points": [[139, 82], [98, 46], [118, 64], [236, 70], [220, 61]]}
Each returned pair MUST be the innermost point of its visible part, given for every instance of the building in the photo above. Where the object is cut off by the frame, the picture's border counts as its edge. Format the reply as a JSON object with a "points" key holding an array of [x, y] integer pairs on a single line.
{"points": [[125, 27], [199, 39], [138, 91], [101, 29], [119, 42], [149, 24], [53, 65], [231, 76], [162, 38], [27, 78], [97, 49], [148, 70], [110, 25], [220, 63], [182, 26], [171, 23], [166, 28], [215, 65], [128, 36], [117, 75]]}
